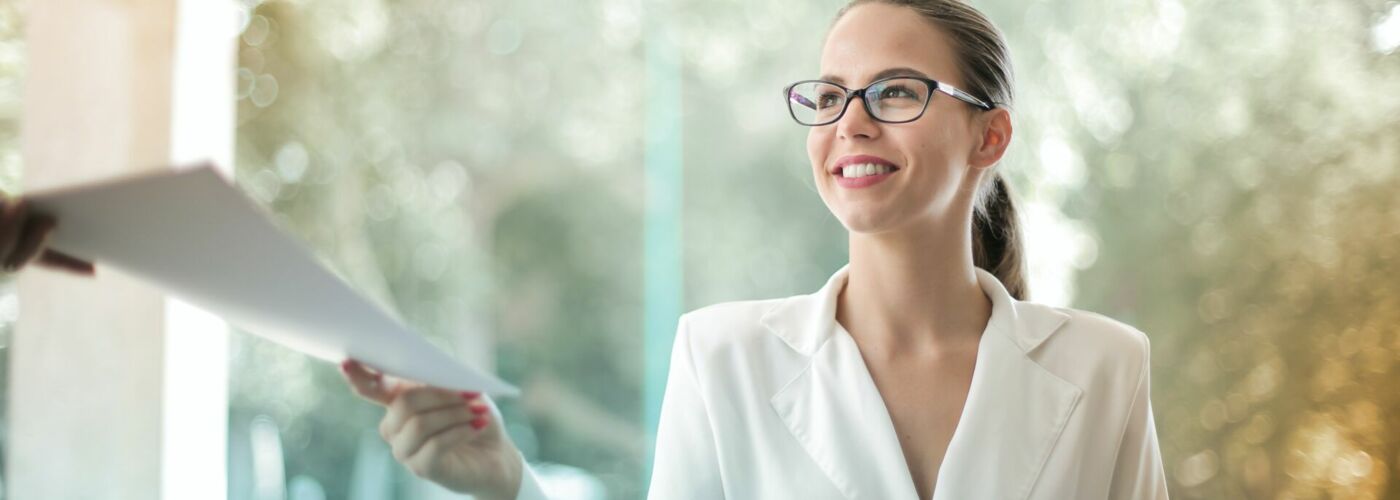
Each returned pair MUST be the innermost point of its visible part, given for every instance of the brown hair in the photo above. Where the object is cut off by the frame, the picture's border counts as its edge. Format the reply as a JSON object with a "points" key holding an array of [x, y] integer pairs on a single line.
{"points": [[986, 67]]}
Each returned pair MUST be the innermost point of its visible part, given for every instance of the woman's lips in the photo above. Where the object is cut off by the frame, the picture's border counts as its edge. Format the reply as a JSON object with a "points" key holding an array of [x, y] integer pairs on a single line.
{"points": [[871, 170], [863, 181], [845, 161]]}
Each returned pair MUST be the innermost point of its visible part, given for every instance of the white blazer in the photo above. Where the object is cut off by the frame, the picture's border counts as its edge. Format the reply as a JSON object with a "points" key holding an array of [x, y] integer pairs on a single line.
{"points": [[771, 399]]}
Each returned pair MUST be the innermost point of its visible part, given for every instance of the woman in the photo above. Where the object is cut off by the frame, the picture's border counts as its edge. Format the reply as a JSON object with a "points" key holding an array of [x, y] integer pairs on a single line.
{"points": [[917, 371]]}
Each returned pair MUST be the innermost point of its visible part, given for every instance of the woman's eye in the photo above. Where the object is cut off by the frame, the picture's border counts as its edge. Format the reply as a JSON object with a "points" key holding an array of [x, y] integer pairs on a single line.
{"points": [[828, 100], [894, 92]]}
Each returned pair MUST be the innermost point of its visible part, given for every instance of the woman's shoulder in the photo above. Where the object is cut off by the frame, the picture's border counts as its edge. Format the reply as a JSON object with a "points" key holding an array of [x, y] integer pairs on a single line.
{"points": [[1093, 345], [731, 331], [734, 312], [1091, 330], [729, 321]]}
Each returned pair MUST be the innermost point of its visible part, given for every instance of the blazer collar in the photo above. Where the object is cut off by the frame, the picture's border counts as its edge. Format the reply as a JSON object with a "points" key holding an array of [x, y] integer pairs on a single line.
{"points": [[1013, 415], [805, 322]]}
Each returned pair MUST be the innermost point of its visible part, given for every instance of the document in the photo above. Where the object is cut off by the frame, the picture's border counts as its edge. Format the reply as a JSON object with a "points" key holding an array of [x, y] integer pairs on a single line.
{"points": [[198, 237]]}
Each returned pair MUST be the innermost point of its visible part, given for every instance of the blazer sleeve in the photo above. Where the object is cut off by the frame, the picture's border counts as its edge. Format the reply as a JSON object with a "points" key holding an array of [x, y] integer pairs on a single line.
{"points": [[1138, 472], [530, 488], [686, 465]]}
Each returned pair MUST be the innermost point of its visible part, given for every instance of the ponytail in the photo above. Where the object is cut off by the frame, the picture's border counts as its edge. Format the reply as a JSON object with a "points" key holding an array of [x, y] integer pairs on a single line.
{"points": [[996, 238]]}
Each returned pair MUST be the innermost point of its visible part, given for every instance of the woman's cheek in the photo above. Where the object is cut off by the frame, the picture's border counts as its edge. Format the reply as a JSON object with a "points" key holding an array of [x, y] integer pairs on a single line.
{"points": [[816, 149], [816, 153]]}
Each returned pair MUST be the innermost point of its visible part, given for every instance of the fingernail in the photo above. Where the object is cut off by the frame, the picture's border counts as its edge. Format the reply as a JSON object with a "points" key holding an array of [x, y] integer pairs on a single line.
{"points": [[477, 409], [470, 394], [478, 423]]}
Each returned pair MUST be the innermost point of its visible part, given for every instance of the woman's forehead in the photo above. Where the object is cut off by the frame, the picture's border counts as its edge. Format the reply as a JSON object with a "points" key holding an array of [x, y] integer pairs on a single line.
{"points": [[873, 40]]}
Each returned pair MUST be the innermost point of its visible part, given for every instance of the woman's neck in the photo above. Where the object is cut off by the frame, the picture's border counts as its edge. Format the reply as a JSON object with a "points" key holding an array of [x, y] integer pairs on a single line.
{"points": [[913, 290]]}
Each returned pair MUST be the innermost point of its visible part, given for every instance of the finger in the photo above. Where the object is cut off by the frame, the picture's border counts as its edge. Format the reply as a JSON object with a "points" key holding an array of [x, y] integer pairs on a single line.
{"points": [[417, 400], [424, 426], [32, 238], [481, 423], [366, 384], [482, 416], [11, 221], [59, 260], [479, 407]]}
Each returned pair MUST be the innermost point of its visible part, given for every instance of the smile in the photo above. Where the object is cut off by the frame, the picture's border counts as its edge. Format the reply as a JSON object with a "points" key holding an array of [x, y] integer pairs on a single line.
{"points": [[862, 171], [865, 170]]}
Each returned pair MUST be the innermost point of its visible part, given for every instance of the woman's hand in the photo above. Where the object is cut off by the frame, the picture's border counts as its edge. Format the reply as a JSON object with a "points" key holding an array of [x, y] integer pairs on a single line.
{"points": [[24, 238], [446, 437]]}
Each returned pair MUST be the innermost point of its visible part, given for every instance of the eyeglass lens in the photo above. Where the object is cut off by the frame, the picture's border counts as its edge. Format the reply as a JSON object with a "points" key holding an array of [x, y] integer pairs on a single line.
{"points": [[894, 100]]}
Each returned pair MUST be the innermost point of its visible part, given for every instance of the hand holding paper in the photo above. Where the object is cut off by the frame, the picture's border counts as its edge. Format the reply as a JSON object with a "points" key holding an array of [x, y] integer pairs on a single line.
{"points": [[24, 237], [198, 237]]}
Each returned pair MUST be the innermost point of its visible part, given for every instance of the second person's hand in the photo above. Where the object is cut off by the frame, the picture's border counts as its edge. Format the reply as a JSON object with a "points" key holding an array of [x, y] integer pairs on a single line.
{"points": [[444, 436], [24, 239]]}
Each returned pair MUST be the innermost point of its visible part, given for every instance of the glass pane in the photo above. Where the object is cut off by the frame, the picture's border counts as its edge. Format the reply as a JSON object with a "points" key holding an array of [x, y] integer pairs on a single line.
{"points": [[475, 167]]}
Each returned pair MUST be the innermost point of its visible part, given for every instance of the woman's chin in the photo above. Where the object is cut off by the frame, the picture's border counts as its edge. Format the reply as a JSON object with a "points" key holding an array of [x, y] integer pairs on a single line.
{"points": [[867, 221]]}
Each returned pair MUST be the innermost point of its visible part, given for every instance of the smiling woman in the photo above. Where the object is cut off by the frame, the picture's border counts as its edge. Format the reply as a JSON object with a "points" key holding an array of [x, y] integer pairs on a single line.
{"points": [[922, 341]]}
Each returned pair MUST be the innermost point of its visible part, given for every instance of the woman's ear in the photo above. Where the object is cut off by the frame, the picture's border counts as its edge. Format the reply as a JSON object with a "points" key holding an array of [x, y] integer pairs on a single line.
{"points": [[995, 135]]}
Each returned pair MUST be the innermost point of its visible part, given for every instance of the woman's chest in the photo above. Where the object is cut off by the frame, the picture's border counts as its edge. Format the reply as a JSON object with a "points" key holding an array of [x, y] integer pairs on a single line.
{"points": [[924, 401]]}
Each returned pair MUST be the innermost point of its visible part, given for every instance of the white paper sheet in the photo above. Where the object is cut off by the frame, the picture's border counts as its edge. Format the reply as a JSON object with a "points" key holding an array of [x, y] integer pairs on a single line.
{"points": [[193, 234]]}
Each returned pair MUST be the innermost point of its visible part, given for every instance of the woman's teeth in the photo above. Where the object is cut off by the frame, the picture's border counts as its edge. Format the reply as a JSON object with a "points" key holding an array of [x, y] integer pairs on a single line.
{"points": [[862, 170]]}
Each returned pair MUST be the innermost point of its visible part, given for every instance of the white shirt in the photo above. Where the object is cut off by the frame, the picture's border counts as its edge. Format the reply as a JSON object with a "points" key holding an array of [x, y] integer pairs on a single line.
{"points": [[772, 399]]}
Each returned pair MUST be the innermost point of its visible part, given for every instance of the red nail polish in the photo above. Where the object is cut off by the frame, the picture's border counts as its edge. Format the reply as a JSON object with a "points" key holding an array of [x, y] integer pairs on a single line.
{"points": [[477, 409], [470, 394], [479, 423]]}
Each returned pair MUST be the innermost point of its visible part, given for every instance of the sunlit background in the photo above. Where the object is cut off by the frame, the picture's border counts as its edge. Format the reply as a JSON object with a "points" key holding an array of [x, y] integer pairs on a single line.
{"points": [[559, 180]]}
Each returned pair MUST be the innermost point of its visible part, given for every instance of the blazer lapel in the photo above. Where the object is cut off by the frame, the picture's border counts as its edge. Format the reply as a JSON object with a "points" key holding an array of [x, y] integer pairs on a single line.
{"points": [[1014, 413], [832, 406], [834, 410], [1015, 410]]}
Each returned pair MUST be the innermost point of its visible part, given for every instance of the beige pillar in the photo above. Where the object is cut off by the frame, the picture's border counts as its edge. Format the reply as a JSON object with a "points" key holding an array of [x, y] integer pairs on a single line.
{"points": [[116, 391]]}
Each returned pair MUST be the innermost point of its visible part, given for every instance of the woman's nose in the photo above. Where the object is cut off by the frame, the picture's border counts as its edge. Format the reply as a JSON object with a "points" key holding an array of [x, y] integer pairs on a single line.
{"points": [[857, 122]]}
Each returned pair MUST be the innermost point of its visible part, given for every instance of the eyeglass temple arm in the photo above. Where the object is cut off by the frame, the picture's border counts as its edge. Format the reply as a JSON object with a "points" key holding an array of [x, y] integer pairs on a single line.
{"points": [[801, 100], [963, 96]]}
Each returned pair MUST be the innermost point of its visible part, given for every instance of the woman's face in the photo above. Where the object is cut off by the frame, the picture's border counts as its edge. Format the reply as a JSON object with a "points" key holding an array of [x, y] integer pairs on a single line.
{"points": [[930, 155]]}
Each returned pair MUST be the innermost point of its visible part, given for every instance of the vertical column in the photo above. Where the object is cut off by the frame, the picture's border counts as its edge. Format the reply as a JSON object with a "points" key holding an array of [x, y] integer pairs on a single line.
{"points": [[662, 257], [116, 391], [195, 383]]}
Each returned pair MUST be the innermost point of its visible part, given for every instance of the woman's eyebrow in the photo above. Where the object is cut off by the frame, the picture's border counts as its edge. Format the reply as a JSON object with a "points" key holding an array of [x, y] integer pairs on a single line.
{"points": [[886, 73]]}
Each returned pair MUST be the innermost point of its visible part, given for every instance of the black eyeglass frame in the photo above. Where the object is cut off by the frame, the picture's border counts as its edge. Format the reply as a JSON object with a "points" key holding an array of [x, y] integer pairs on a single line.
{"points": [[933, 85]]}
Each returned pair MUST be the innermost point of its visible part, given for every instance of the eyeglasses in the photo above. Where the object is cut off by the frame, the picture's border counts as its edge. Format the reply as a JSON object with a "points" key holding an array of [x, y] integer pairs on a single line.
{"points": [[900, 99]]}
